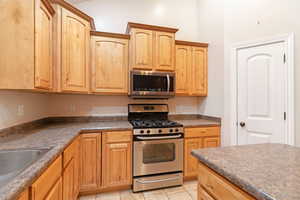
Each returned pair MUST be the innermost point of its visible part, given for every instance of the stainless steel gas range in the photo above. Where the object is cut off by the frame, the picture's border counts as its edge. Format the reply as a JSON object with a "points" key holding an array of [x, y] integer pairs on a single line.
{"points": [[157, 147]]}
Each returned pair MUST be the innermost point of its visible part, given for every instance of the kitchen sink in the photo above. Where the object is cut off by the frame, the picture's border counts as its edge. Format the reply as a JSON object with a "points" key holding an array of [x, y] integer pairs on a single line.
{"points": [[13, 162]]}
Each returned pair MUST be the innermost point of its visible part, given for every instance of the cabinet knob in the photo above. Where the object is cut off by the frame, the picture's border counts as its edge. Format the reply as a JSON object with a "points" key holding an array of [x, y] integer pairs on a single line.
{"points": [[242, 124]]}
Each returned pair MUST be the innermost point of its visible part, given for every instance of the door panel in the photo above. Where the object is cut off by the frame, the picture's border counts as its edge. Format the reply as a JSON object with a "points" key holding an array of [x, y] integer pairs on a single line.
{"points": [[211, 142], [164, 51], [110, 65], [190, 162], [141, 49], [69, 181], [199, 71], [117, 164], [56, 192], [261, 94], [90, 165], [75, 52], [183, 65], [43, 58]]}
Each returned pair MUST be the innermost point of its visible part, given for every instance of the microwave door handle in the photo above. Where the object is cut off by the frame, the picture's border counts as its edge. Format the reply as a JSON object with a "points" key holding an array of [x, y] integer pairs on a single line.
{"points": [[168, 82]]}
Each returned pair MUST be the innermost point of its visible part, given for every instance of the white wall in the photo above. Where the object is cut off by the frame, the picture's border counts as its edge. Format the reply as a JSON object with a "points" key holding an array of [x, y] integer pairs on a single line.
{"points": [[211, 30], [255, 19], [35, 106]]}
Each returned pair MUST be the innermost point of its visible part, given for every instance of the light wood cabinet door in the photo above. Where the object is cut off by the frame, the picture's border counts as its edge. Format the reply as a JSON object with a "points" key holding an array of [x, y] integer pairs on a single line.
{"points": [[75, 52], [199, 71], [69, 181], [43, 46], [117, 162], [164, 51], [24, 195], [56, 191], [109, 65], [211, 142], [41, 188], [141, 49], [190, 162], [183, 65], [90, 164]]}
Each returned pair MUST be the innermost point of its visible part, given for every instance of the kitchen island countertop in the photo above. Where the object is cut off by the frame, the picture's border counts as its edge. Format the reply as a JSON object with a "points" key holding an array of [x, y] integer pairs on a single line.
{"points": [[265, 171]]}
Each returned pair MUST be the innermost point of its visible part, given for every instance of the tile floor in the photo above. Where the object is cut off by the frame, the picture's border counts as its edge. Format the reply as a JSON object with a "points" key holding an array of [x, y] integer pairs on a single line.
{"points": [[186, 192]]}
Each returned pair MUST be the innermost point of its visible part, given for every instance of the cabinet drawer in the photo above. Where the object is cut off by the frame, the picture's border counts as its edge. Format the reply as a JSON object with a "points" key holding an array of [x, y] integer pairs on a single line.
{"points": [[70, 152], [118, 136], [44, 183], [201, 132], [218, 186], [203, 195]]}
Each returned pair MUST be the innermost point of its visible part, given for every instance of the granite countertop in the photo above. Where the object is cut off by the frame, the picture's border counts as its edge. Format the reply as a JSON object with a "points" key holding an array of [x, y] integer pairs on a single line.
{"points": [[266, 171], [189, 123], [56, 136]]}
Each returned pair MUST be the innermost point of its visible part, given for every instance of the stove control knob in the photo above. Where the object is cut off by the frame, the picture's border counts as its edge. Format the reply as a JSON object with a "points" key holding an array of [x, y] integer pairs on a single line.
{"points": [[148, 131], [142, 131], [171, 130], [176, 130], [160, 131]]}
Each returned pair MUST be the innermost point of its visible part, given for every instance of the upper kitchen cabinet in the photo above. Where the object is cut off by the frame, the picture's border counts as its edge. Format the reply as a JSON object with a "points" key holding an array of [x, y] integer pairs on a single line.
{"points": [[72, 40], [191, 68], [109, 63], [26, 45], [151, 47]]}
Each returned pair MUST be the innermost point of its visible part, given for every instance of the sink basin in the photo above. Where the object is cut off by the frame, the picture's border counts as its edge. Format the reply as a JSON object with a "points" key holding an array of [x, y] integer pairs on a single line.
{"points": [[13, 162]]}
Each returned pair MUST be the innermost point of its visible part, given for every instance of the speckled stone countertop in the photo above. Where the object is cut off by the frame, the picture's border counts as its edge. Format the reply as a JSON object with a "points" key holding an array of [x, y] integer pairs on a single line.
{"points": [[189, 123], [266, 171], [56, 137]]}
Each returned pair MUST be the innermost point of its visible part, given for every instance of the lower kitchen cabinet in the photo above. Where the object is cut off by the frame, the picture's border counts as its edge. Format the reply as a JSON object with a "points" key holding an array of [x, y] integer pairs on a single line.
{"points": [[90, 162], [203, 195], [117, 158], [71, 171], [196, 138], [48, 185]]}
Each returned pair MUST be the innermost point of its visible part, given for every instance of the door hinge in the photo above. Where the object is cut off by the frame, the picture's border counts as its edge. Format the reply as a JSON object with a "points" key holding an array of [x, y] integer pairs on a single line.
{"points": [[284, 115], [284, 58]]}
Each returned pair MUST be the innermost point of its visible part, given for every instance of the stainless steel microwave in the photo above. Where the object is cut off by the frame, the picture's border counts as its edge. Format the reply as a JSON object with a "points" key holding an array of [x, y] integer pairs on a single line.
{"points": [[150, 84]]}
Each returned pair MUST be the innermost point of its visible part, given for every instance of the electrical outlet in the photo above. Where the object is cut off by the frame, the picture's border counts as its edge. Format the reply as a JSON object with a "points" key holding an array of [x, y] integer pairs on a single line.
{"points": [[72, 108], [20, 110]]}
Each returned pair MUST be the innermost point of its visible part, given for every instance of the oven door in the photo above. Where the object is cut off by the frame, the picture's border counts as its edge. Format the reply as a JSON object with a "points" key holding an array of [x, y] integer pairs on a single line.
{"points": [[149, 84], [157, 156]]}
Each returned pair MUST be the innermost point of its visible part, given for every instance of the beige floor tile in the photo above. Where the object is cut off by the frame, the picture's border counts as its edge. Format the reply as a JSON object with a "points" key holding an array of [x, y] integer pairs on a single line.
{"points": [[190, 185], [193, 194], [173, 190], [179, 196], [155, 195], [90, 197], [109, 196], [129, 195]]}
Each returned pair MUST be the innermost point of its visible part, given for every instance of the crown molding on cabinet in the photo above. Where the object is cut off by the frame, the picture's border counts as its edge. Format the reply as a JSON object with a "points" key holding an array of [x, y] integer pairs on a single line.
{"points": [[49, 7], [76, 11], [196, 44], [112, 35], [150, 27]]}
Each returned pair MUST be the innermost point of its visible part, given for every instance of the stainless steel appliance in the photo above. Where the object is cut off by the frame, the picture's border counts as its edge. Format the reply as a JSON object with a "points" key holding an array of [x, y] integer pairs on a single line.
{"points": [[150, 84], [157, 147]]}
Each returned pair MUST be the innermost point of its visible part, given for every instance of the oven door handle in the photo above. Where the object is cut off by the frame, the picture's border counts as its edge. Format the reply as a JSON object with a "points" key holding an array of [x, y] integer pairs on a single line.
{"points": [[158, 180], [158, 138], [168, 82]]}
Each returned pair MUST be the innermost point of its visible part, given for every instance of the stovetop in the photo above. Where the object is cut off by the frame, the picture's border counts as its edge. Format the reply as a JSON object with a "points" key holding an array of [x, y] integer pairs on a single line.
{"points": [[148, 123]]}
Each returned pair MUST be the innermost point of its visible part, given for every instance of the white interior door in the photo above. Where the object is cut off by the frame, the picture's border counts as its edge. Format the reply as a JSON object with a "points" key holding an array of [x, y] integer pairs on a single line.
{"points": [[261, 95]]}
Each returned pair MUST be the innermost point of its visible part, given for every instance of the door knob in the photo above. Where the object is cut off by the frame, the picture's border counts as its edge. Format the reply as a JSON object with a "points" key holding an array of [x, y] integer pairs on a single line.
{"points": [[242, 124]]}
